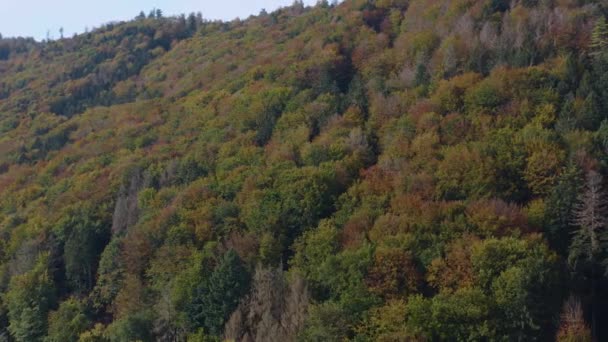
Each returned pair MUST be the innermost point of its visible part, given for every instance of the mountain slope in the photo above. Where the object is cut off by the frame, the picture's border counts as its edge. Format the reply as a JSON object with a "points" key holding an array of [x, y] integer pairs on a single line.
{"points": [[374, 170]]}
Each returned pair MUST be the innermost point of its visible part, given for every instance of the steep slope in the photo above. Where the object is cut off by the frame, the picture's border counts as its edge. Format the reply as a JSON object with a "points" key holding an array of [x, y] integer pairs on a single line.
{"points": [[374, 170]]}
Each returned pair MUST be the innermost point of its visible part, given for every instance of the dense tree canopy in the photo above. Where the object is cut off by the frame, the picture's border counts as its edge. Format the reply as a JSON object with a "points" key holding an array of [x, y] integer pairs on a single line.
{"points": [[369, 170]]}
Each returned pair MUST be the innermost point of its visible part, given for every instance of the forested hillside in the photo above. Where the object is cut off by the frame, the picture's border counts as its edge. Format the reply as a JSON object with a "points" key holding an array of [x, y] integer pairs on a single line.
{"points": [[388, 170]]}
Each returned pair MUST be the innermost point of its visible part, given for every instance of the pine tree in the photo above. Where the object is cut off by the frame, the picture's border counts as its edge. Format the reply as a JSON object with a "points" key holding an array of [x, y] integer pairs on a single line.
{"points": [[560, 205], [585, 86], [29, 298], [590, 114], [566, 120], [218, 297], [599, 38], [573, 71], [422, 75], [192, 23]]}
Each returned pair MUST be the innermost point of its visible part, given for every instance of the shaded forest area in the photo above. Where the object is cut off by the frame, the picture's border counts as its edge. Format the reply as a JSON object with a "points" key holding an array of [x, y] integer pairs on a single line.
{"points": [[388, 170]]}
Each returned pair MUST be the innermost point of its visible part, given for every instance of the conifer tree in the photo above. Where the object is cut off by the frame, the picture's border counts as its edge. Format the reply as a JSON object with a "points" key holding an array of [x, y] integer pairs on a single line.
{"points": [[29, 298], [217, 298], [599, 38]]}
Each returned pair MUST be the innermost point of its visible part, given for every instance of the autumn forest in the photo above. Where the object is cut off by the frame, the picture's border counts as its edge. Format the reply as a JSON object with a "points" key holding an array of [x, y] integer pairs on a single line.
{"points": [[364, 170]]}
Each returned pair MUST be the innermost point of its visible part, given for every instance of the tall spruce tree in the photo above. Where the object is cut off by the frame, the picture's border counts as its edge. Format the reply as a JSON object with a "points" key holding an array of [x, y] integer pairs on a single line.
{"points": [[216, 298], [599, 38]]}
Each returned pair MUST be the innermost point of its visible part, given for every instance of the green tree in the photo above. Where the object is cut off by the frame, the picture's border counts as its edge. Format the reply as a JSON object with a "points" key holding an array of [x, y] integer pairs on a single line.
{"points": [[133, 327], [86, 235], [219, 295], [590, 114], [29, 299], [68, 322], [326, 322], [521, 279], [497, 6], [507, 159], [461, 316], [559, 207], [566, 119], [110, 274], [422, 78], [512, 297], [289, 201], [599, 38], [343, 285], [312, 249], [484, 97]]}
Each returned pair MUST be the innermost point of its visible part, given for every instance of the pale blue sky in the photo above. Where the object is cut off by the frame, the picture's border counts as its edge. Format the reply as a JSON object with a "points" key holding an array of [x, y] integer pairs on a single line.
{"points": [[33, 18]]}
